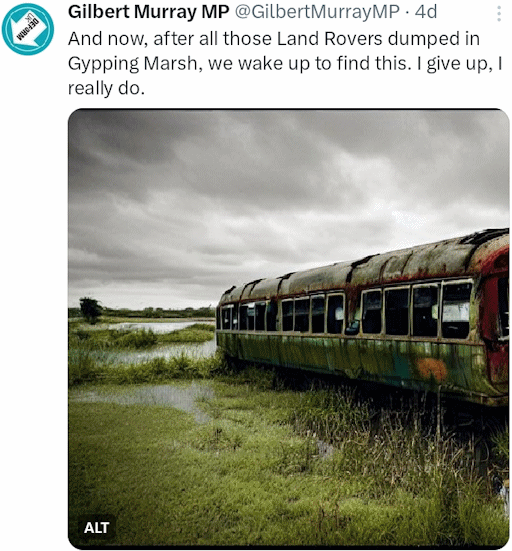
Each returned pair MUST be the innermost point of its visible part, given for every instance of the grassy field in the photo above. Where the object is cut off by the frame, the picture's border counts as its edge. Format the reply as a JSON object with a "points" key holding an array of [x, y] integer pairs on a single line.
{"points": [[275, 466]]}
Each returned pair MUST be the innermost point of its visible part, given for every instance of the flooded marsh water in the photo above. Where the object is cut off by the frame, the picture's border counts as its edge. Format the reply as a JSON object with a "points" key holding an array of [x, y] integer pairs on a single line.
{"points": [[182, 397], [167, 351], [155, 326]]}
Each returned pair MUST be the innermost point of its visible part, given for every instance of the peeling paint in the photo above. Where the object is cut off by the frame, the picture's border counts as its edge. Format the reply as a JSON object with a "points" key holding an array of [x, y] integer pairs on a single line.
{"points": [[467, 356], [430, 367]]}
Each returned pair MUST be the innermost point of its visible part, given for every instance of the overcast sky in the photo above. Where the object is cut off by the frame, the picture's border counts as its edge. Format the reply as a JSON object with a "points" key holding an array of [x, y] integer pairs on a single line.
{"points": [[170, 208]]}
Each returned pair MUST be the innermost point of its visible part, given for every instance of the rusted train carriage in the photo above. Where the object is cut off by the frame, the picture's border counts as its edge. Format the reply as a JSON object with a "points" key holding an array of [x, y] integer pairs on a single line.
{"points": [[432, 317]]}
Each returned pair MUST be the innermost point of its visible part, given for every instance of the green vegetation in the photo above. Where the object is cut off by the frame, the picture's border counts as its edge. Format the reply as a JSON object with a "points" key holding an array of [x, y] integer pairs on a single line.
{"points": [[104, 338], [92, 355], [145, 314], [136, 339], [276, 467], [88, 367], [90, 309]]}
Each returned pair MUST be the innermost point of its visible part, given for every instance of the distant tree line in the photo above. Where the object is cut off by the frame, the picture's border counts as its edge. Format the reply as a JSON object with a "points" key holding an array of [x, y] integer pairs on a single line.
{"points": [[91, 310]]}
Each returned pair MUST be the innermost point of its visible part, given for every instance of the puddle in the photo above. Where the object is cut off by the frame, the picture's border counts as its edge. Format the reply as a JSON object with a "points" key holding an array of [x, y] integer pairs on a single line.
{"points": [[324, 449], [180, 397]]}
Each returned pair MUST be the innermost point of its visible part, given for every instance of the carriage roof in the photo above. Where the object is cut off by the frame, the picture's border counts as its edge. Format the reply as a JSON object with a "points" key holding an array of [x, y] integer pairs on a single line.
{"points": [[480, 252]]}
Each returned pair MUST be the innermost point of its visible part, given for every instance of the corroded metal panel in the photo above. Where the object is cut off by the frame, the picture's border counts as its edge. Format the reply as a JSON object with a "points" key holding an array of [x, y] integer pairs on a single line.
{"points": [[443, 260], [456, 368], [264, 290], [492, 255], [318, 279], [457, 257], [476, 367]]}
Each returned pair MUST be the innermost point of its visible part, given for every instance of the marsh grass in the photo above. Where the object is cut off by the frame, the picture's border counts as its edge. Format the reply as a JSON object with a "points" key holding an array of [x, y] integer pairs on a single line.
{"points": [[105, 338], [402, 457], [85, 366], [255, 473], [92, 355]]}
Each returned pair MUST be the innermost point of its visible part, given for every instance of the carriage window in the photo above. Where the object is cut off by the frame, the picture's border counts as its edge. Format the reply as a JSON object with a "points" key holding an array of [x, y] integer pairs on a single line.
{"points": [[287, 306], [396, 311], [234, 318], [250, 316], [455, 320], [301, 315], [243, 316], [247, 316], [271, 316], [317, 314], [260, 316], [425, 307], [372, 307], [217, 318], [335, 313], [503, 297], [227, 312]]}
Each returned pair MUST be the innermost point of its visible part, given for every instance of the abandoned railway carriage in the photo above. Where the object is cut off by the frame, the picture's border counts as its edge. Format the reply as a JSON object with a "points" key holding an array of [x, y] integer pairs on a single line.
{"points": [[432, 317]]}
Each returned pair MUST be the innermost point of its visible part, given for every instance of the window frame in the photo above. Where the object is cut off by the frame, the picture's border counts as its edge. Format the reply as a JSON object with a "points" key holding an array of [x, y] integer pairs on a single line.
{"points": [[307, 300], [283, 301], [271, 316], [247, 305], [363, 293], [312, 297], [326, 324], [384, 309], [503, 287], [414, 286], [444, 284], [229, 308], [263, 315]]}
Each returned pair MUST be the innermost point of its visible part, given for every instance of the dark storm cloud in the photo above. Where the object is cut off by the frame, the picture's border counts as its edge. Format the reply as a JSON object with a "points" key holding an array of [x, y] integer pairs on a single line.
{"points": [[105, 146], [273, 159], [190, 202]]}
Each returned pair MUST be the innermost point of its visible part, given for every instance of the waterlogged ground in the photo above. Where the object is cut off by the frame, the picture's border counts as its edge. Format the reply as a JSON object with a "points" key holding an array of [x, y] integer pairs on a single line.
{"points": [[199, 350], [239, 460], [181, 396], [194, 350], [222, 466]]}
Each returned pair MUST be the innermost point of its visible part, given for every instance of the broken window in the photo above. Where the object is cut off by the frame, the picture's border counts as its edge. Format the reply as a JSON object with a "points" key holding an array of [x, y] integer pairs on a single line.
{"points": [[287, 307], [372, 312], [234, 318], [335, 313], [396, 311], [227, 312], [243, 317], [317, 314], [272, 315], [455, 320], [503, 298], [301, 315], [425, 308], [247, 316], [250, 316], [260, 316]]}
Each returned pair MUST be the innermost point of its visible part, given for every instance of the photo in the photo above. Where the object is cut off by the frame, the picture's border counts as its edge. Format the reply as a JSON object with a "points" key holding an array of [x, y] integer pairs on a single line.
{"points": [[288, 328]]}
